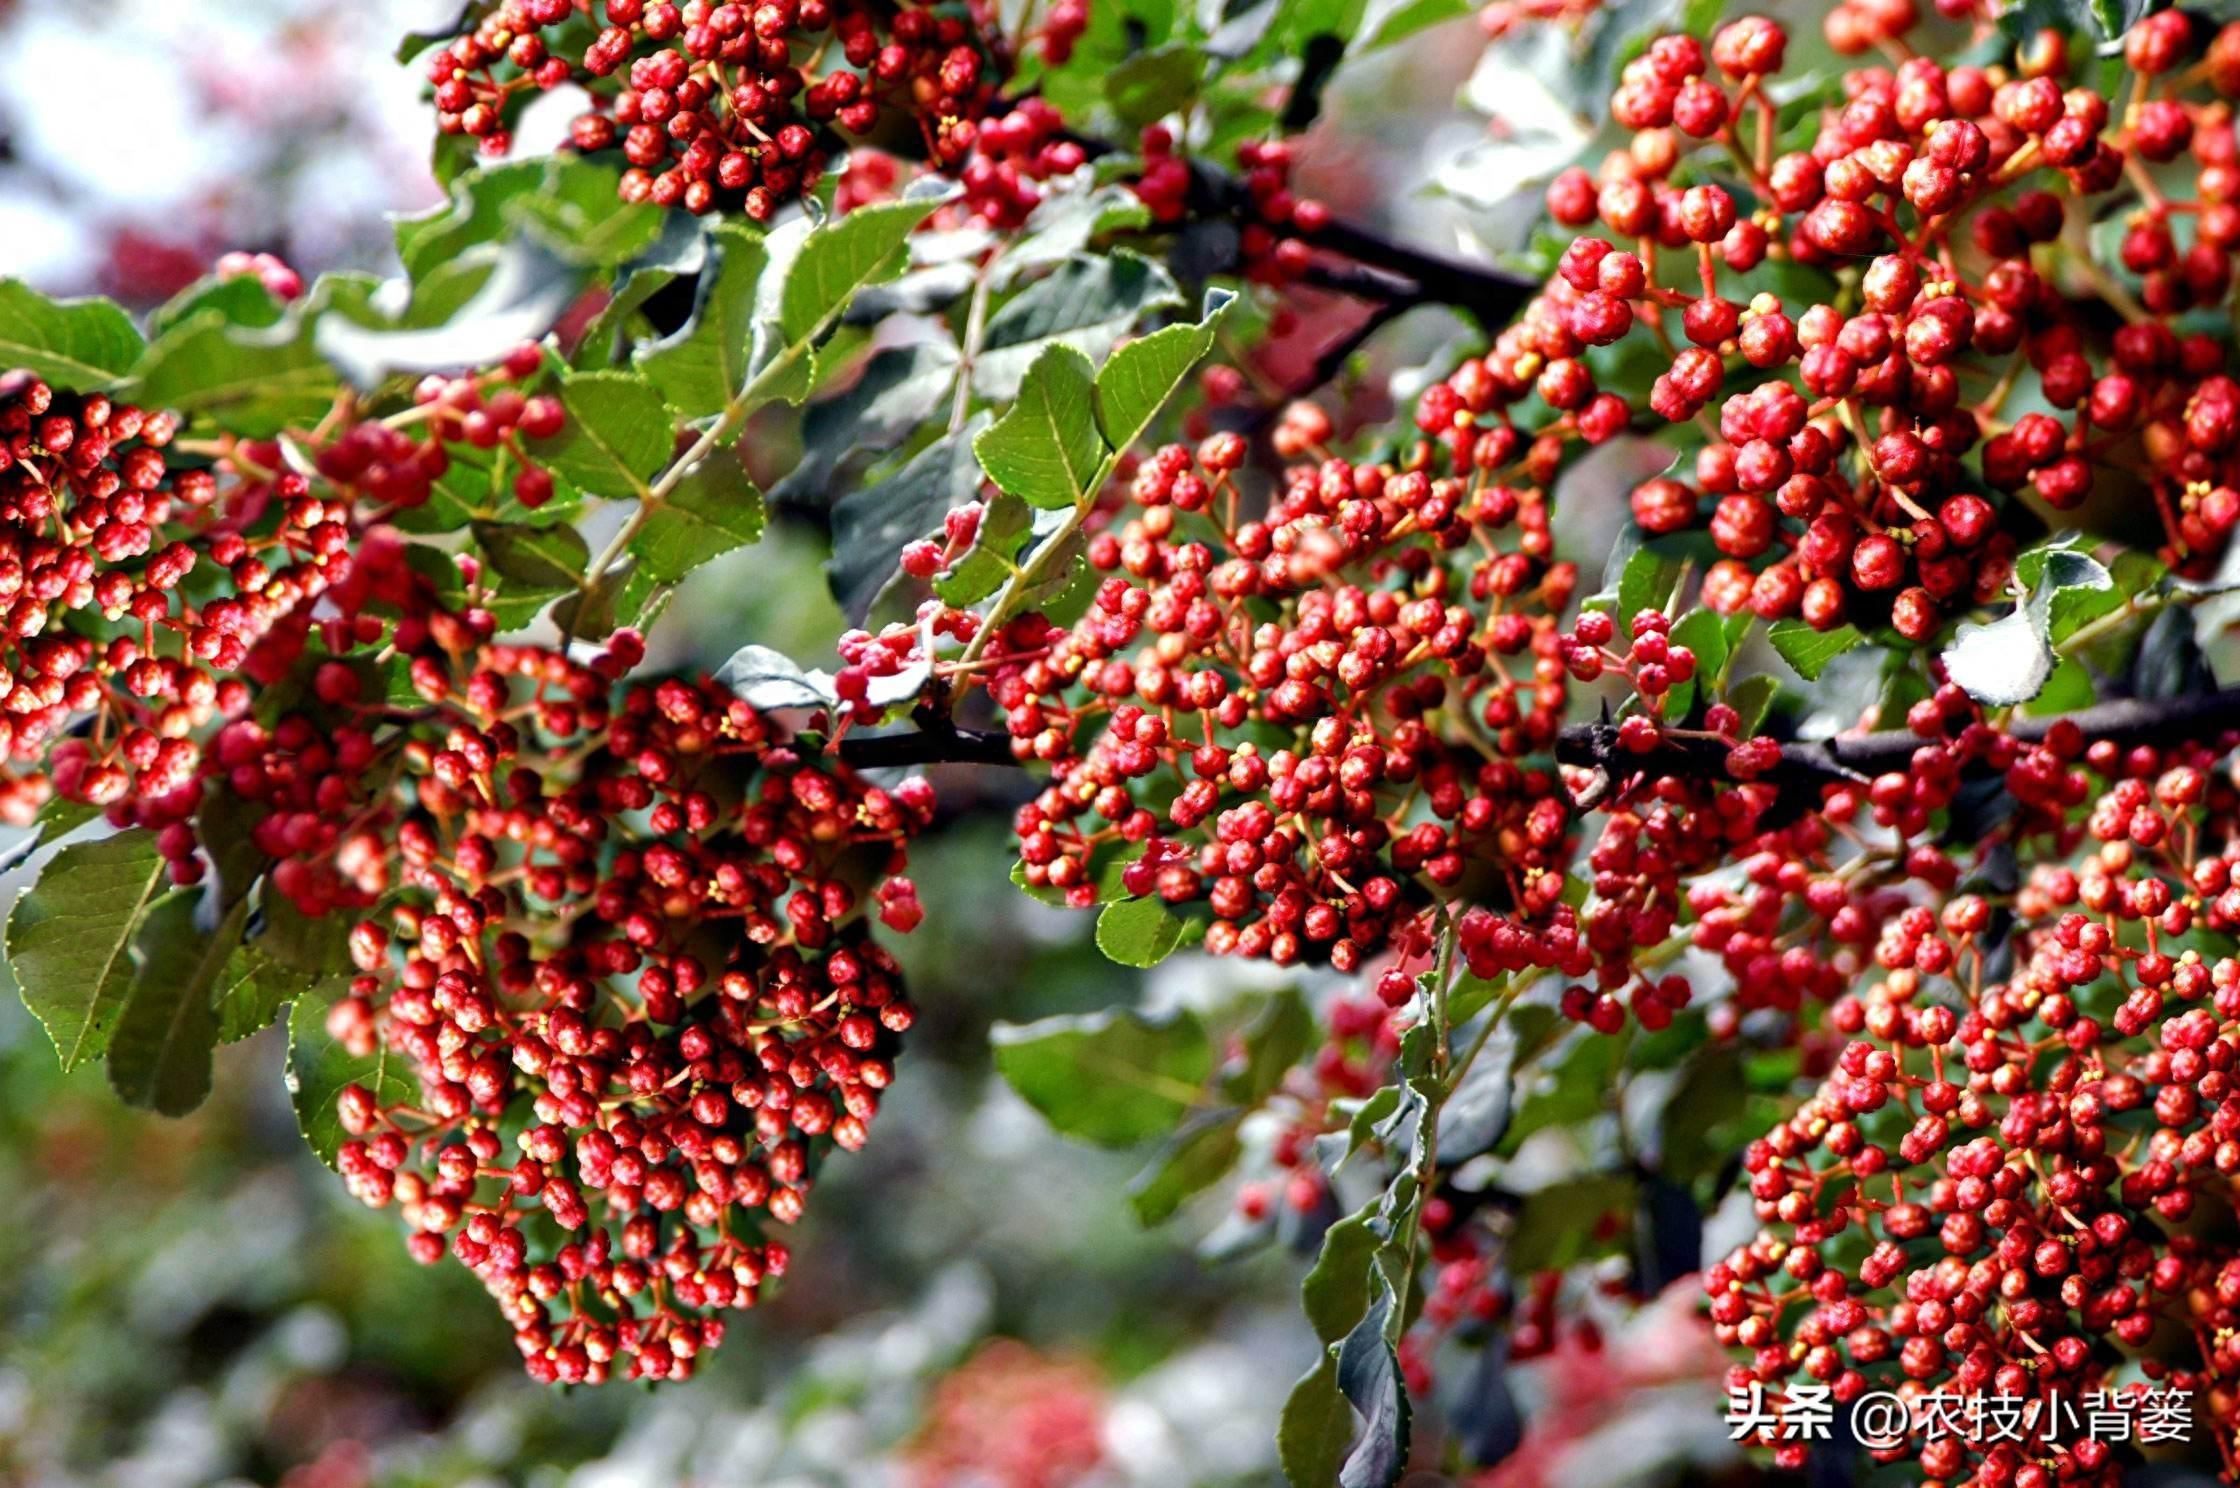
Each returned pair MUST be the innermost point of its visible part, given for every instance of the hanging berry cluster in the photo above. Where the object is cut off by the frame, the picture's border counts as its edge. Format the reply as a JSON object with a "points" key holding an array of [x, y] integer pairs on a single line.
{"points": [[1251, 727], [626, 960], [723, 105], [311, 564], [1278, 227], [629, 933], [2000, 1186], [1863, 465], [88, 512]]}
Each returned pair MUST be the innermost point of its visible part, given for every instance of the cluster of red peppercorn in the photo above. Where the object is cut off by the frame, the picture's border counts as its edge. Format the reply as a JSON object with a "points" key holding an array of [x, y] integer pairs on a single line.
{"points": [[89, 509], [1010, 155], [1992, 1191], [709, 103], [1861, 464], [1277, 224], [1251, 724], [307, 558], [640, 928], [639, 925]]}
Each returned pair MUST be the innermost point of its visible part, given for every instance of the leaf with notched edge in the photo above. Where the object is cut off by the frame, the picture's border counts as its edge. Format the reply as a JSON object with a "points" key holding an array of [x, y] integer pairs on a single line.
{"points": [[83, 345], [618, 433], [1114, 1078], [1139, 378], [703, 365], [1139, 932], [159, 1055], [713, 509], [544, 558], [1088, 303], [319, 1068], [70, 938], [1045, 450], [870, 527], [1809, 651], [1192, 1160]]}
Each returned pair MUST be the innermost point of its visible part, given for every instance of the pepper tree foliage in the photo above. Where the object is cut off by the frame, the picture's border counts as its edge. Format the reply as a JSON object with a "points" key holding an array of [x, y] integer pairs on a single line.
{"points": [[1851, 851]]}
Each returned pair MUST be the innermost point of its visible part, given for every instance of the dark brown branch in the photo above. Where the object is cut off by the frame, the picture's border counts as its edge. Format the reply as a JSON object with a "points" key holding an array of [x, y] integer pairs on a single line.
{"points": [[1493, 295], [1860, 757], [1360, 282], [1853, 759], [1408, 275], [1381, 268], [938, 743]]}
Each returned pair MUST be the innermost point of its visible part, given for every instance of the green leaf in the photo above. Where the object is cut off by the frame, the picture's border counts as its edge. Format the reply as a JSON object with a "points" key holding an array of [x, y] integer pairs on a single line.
{"points": [[1568, 1083], [1316, 1427], [1809, 651], [1651, 577], [842, 257], [245, 381], [2080, 588], [70, 938], [481, 209], [871, 526], [80, 345], [1155, 83], [1065, 224], [314, 944], [1336, 1291], [1280, 1034], [2009, 660], [1191, 1161], [241, 298], [253, 990], [1139, 932], [618, 434], [606, 338], [713, 509], [1046, 450], [1476, 1114], [1115, 1078], [577, 215], [1558, 1223], [1143, 374], [1707, 634], [519, 294], [1708, 1093], [681, 249], [451, 286], [899, 389], [479, 483], [1005, 523], [1387, 21], [1089, 303], [704, 364], [159, 1056], [1752, 697], [1369, 1375], [319, 1067], [228, 832], [544, 558], [768, 679]]}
